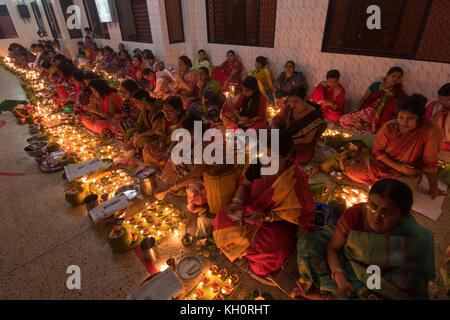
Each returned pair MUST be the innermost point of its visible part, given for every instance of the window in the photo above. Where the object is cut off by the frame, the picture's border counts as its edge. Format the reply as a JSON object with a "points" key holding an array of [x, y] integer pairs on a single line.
{"points": [[99, 29], [410, 29], [242, 22], [134, 20], [51, 18], [7, 30], [38, 16], [174, 14], [73, 33]]}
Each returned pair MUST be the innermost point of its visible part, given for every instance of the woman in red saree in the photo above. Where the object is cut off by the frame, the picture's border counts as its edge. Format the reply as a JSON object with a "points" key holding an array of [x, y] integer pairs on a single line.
{"points": [[330, 95], [250, 111], [378, 104], [136, 68], [228, 72], [403, 148], [262, 221], [110, 105]]}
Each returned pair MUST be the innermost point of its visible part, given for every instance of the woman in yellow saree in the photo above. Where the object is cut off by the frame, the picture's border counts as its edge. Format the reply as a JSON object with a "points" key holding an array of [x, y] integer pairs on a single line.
{"points": [[261, 222], [380, 234]]}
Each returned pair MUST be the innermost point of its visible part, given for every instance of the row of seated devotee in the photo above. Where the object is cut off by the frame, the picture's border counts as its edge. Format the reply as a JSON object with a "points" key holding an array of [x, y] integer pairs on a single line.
{"points": [[270, 216]]}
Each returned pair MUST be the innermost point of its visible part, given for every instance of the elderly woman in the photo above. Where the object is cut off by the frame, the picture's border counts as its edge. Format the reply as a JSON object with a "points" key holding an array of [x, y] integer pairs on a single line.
{"points": [[288, 80], [261, 222], [157, 152], [228, 72], [186, 81], [438, 112], [330, 95], [212, 98], [250, 110], [264, 77], [202, 61], [303, 121], [403, 148], [378, 233], [378, 104]]}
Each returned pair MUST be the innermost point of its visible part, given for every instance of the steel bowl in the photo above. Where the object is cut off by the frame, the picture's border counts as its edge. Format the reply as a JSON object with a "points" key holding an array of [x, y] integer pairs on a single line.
{"points": [[191, 260], [34, 128], [36, 149]]}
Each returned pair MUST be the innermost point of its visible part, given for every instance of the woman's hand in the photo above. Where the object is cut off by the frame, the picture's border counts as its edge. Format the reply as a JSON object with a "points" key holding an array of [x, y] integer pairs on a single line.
{"points": [[345, 288], [255, 218], [406, 169], [160, 194]]}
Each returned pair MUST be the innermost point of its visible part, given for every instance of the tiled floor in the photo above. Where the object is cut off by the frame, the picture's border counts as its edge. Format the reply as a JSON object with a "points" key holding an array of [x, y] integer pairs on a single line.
{"points": [[41, 235]]}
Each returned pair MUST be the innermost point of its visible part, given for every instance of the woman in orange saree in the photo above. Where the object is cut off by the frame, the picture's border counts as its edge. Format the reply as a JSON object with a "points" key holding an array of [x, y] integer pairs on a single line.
{"points": [[261, 222], [403, 147]]}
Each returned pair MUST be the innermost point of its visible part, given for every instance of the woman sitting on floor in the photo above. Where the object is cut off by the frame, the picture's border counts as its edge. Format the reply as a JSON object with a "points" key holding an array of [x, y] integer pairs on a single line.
{"points": [[228, 72], [186, 81], [438, 112], [202, 61], [264, 217], [264, 77], [110, 105], [288, 80], [403, 148], [330, 95], [379, 233], [303, 121], [149, 80], [378, 104], [250, 111], [136, 68], [212, 98], [156, 153], [176, 177], [125, 120], [145, 128]]}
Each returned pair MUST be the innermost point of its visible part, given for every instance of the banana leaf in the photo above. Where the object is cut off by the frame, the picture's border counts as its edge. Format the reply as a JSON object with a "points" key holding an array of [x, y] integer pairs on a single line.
{"points": [[8, 105]]}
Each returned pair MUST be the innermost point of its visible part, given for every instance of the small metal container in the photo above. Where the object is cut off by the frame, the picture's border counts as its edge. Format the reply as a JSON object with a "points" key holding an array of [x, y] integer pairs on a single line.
{"points": [[91, 202], [147, 180], [148, 247]]}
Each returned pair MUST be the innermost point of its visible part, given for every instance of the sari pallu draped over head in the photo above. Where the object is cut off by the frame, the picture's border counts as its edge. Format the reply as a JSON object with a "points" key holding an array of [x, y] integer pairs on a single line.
{"points": [[405, 256], [287, 195]]}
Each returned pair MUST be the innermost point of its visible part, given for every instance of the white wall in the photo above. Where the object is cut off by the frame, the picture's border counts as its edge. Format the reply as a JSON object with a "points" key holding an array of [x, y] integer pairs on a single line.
{"points": [[25, 29], [299, 32], [300, 26]]}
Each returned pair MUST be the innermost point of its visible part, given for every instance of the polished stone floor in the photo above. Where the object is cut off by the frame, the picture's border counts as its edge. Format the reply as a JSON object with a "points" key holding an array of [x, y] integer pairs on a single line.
{"points": [[41, 235]]}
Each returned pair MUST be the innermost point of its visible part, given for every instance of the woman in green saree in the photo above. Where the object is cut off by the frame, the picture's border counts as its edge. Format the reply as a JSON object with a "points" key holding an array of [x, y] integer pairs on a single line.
{"points": [[145, 129], [380, 233]]}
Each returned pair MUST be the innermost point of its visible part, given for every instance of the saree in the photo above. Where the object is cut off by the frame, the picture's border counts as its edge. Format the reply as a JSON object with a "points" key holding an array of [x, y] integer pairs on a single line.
{"points": [[442, 120], [151, 153], [205, 63], [145, 123], [213, 97], [284, 84], [110, 105], [405, 256], [300, 128], [379, 108], [231, 122], [267, 246], [191, 78], [223, 72], [337, 95], [418, 148], [264, 78]]}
